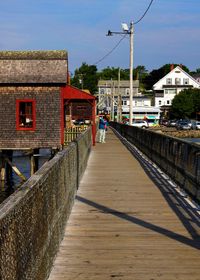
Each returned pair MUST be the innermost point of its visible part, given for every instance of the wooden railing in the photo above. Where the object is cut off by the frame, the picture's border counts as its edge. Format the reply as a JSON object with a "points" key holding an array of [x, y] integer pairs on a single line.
{"points": [[33, 219], [71, 133]]}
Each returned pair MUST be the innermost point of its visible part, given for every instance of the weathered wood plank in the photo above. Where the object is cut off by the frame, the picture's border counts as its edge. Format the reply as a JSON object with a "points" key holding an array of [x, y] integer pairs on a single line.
{"points": [[124, 226]]}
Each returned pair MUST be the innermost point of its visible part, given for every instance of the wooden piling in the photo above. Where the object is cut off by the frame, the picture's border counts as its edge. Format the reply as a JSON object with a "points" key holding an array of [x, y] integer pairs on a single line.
{"points": [[15, 169], [34, 161]]}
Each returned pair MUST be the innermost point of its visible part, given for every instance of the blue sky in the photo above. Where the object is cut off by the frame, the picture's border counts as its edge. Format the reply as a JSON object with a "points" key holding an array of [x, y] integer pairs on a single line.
{"points": [[169, 33]]}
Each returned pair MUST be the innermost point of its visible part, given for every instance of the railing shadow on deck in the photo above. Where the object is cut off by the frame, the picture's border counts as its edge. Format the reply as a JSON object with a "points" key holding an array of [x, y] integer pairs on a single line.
{"points": [[186, 212], [175, 197], [194, 243]]}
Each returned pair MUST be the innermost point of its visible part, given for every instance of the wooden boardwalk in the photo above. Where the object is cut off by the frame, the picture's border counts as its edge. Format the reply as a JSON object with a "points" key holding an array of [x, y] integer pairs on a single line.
{"points": [[127, 226]]}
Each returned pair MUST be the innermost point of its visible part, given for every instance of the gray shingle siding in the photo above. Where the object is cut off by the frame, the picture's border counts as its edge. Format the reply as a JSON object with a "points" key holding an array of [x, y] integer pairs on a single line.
{"points": [[36, 67], [47, 133]]}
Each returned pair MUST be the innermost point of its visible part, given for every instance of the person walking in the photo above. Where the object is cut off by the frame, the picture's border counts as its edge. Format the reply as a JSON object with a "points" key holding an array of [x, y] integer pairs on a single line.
{"points": [[102, 129]]}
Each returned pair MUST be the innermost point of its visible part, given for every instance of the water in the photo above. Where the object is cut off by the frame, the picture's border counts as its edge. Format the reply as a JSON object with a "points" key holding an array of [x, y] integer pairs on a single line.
{"points": [[193, 140], [22, 162]]}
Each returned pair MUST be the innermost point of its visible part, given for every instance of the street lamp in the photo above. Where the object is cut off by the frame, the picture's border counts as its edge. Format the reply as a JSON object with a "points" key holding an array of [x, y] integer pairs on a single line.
{"points": [[128, 30]]}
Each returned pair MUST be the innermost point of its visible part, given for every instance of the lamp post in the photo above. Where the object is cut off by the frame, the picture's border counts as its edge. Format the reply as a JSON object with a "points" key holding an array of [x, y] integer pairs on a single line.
{"points": [[128, 30]]}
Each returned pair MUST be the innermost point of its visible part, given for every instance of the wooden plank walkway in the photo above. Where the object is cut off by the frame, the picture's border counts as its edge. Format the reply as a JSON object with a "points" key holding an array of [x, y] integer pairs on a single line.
{"points": [[126, 226]]}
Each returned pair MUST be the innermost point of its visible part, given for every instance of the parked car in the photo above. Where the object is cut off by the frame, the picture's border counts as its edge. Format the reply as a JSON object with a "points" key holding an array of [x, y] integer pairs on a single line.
{"points": [[164, 122], [183, 125], [196, 125], [172, 123], [79, 121], [140, 123]]}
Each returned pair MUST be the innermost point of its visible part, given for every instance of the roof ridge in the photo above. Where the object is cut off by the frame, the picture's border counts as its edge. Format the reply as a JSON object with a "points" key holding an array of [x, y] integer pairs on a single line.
{"points": [[34, 55]]}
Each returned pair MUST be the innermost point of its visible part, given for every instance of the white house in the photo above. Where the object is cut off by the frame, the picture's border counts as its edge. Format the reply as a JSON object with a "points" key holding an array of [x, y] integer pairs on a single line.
{"points": [[171, 85]]}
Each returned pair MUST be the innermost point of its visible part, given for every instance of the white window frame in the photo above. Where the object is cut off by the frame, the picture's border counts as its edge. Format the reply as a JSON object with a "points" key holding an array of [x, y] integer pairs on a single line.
{"points": [[177, 81], [169, 81], [186, 81]]}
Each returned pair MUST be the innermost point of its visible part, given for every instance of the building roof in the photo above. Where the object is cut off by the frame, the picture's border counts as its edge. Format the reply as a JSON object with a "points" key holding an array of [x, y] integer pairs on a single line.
{"points": [[177, 69], [70, 92], [115, 83], [33, 67], [196, 75]]}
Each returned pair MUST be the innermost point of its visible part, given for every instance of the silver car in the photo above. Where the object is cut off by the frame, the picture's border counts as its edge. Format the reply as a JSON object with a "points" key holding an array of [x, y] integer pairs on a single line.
{"points": [[196, 125], [140, 123], [183, 125]]}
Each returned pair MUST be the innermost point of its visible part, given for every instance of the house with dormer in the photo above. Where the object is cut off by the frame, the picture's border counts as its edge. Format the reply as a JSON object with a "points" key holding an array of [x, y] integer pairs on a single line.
{"points": [[170, 85]]}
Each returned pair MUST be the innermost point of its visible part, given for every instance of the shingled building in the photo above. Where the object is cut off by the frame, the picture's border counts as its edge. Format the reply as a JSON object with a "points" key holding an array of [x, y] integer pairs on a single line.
{"points": [[30, 99]]}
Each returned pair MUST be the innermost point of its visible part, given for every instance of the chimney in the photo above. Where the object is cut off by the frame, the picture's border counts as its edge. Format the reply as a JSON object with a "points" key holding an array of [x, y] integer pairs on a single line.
{"points": [[171, 67]]}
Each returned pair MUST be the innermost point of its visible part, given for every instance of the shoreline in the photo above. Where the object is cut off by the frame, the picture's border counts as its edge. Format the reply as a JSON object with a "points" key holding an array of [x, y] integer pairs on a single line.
{"points": [[171, 131]]}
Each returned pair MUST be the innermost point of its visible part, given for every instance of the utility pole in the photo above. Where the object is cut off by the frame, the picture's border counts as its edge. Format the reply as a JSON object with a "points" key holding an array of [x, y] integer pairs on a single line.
{"points": [[131, 75], [119, 107], [128, 30], [112, 100], [81, 80]]}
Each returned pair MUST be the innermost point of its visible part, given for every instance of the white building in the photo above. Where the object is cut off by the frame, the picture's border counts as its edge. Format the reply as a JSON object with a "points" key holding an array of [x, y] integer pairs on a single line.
{"points": [[138, 101], [172, 84]]}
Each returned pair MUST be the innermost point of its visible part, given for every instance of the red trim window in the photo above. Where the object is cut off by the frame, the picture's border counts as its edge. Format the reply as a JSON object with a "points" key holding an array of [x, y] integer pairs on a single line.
{"points": [[25, 114]]}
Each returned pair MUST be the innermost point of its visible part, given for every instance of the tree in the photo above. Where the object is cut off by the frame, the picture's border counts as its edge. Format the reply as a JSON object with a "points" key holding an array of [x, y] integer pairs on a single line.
{"points": [[196, 100], [86, 77], [195, 72], [109, 73], [183, 104], [140, 73], [112, 73]]}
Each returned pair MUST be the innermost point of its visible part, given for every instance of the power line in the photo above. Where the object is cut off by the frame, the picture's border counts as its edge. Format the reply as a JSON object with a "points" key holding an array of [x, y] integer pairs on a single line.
{"points": [[124, 35], [111, 50], [144, 13]]}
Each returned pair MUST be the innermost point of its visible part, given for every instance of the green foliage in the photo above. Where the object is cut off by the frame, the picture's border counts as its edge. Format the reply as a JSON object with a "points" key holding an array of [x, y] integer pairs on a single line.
{"points": [[86, 77], [139, 73], [109, 73], [196, 99], [186, 103], [112, 73]]}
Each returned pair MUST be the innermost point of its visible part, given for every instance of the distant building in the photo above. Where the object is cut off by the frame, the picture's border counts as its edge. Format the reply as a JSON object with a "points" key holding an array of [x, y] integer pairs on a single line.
{"points": [[112, 89], [138, 101], [172, 84]]}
